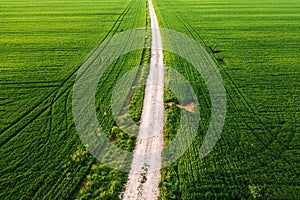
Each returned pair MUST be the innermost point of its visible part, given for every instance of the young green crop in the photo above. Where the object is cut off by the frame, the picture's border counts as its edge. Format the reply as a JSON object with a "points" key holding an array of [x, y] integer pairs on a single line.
{"points": [[255, 44], [43, 44]]}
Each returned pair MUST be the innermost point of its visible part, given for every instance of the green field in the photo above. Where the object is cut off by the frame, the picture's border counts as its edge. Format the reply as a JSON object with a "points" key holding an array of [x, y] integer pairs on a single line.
{"points": [[43, 44], [256, 46]]}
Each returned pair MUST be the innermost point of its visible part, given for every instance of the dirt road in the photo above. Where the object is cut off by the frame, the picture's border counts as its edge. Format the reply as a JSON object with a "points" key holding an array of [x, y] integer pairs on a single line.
{"points": [[145, 174]]}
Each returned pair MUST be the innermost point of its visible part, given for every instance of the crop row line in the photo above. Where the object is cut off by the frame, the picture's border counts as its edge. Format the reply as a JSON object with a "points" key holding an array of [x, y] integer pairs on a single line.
{"points": [[54, 92], [195, 35]]}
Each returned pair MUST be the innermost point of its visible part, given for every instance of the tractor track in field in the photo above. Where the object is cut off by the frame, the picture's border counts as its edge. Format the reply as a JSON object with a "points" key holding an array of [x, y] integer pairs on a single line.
{"points": [[55, 94], [245, 102]]}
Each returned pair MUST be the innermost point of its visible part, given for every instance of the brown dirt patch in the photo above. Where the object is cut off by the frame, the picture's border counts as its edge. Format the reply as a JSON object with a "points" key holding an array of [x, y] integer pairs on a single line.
{"points": [[189, 107]]}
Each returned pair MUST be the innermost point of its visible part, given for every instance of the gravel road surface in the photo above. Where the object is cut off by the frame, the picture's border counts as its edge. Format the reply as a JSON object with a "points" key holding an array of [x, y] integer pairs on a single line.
{"points": [[145, 174]]}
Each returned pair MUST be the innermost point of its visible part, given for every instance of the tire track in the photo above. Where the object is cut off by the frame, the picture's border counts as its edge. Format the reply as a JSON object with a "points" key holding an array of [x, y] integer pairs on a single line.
{"points": [[246, 104], [68, 82]]}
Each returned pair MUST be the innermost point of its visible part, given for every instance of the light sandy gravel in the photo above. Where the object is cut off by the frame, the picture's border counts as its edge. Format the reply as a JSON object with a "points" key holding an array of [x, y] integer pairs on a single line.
{"points": [[145, 175]]}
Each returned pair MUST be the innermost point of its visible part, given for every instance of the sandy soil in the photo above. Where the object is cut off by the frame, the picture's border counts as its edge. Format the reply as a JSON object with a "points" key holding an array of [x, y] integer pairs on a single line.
{"points": [[189, 107], [145, 174]]}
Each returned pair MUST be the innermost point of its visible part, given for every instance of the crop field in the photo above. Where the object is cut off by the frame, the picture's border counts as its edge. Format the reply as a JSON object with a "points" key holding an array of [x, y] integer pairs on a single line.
{"points": [[255, 45], [43, 44]]}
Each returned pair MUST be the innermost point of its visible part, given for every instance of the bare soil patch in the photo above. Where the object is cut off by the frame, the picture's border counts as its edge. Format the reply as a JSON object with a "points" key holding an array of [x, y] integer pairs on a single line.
{"points": [[189, 107]]}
